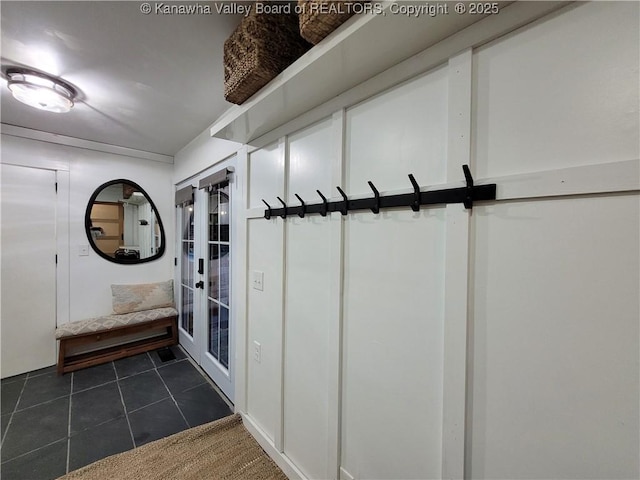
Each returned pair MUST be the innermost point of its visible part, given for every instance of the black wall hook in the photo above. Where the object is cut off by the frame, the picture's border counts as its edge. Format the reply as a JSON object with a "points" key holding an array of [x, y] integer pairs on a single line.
{"points": [[284, 208], [415, 204], [376, 205], [468, 201], [344, 206], [304, 207], [324, 207], [416, 199], [267, 213]]}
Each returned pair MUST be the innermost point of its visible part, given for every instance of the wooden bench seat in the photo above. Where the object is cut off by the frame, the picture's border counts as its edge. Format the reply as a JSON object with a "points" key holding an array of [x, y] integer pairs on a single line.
{"points": [[101, 330]]}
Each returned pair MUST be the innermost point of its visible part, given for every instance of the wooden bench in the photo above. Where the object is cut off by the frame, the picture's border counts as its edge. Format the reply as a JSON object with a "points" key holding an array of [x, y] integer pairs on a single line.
{"points": [[131, 321]]}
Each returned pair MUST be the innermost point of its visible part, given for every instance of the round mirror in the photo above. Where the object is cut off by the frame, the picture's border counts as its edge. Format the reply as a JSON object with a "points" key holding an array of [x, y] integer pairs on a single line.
{"points": [[122, 223]]}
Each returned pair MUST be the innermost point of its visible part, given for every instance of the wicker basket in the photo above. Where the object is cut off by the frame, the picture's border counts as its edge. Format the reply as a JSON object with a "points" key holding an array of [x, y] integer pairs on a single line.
{"points": [[261, 47], [318, 18]]}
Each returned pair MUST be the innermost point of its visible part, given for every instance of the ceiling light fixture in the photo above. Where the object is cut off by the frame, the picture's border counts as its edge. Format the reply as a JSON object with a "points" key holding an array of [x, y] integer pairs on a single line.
{"points": [[40, 90]]}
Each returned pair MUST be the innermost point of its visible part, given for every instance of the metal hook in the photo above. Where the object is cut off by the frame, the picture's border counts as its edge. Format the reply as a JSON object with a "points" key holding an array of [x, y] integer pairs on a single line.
{"points": [[267, 214], [284, 209], [304, 207], [344, 208], [323, 210], [468, 201], [376, 205], [415, 205]]}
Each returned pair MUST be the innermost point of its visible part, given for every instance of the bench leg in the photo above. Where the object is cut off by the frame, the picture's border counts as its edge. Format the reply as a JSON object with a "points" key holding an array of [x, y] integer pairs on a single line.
{"points": [[174, 330], [61, 355]]}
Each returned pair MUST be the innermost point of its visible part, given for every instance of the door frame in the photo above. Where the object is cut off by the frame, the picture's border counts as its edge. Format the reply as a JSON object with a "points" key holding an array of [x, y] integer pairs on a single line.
{"points": [[196, 346]]}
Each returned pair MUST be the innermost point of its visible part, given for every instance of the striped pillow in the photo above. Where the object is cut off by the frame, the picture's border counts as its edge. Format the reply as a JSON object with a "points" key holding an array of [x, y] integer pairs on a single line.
{"points": [[142, 296]]}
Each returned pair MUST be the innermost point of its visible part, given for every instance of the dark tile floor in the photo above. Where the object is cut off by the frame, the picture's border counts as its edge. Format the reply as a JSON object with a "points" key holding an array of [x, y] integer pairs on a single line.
{"points": [[51, 425]]}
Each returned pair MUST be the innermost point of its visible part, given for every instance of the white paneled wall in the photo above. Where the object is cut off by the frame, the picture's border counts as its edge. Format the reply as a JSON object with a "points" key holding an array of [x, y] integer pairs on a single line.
{"points": [[560, 93], [264, 318], [308, 310], [307, 344], [399, 132], [498, 343], [266, 175], [556, 339], [393, 342]]}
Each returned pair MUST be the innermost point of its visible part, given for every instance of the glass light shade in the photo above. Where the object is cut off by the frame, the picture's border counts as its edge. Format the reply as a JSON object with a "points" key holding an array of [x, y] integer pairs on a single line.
{"points": [[40, 93]]}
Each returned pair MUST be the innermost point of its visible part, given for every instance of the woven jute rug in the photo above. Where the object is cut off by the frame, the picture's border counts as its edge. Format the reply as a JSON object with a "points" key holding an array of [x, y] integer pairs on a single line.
{"points": [[221, 450]]}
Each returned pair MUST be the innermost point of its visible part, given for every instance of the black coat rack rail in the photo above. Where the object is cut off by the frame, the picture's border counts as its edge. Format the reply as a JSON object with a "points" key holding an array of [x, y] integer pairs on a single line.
{"points": [[466, 195]]}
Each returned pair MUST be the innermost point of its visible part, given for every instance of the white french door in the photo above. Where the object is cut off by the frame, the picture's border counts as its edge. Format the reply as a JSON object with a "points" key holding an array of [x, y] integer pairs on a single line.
{"points": [[203, 267]]}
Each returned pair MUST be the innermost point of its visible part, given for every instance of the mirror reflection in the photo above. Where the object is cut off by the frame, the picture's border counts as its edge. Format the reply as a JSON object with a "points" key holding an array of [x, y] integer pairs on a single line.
{"points": [[123, 224]]}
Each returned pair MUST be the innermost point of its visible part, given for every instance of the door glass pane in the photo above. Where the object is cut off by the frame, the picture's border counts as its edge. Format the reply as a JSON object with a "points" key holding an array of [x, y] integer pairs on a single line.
{"points": [[187, 310], [224, 274], [224, 214], [187, 263], [187, 266], [214, 327], [224, 336], [214, 283], [213, 216], [187, 222]]}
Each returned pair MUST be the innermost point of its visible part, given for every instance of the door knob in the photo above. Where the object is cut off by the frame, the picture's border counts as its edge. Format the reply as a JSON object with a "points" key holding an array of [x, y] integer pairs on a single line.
{"points": [[200, 284]]}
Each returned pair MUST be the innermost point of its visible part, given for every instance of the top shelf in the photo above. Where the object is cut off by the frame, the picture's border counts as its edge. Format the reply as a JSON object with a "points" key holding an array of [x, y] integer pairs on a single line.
{"points": [[361, 48]]}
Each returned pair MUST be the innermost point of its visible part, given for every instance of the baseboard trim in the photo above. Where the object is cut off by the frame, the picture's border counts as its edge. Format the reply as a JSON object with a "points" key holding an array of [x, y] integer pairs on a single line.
{"points": [[285, 464]]}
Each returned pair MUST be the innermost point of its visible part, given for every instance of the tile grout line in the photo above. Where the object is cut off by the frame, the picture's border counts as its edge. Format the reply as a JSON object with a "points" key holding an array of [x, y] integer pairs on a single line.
{"points": [[32, 451], [96, 386], [69, 424], [209, 381], [15, 408], [172, 397], [124, 407], [40, 404]]}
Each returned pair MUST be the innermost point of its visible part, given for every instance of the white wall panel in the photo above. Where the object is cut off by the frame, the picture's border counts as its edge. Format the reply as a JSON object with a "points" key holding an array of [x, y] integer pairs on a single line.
{"points": [[555, 345], [264, 319], [310, 161], [266, 176], [308, 310], [399, 132], [560, 93], [393, 344], [307, 343]]}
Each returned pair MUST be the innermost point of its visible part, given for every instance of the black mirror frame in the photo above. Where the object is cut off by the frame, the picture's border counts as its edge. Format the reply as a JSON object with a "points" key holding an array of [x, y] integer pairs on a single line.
{"points": [[123, 261]]}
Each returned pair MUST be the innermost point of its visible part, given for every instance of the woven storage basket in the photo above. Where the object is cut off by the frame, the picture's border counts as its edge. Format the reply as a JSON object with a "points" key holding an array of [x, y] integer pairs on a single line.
{"points": [[261, 47], [318, 18]]}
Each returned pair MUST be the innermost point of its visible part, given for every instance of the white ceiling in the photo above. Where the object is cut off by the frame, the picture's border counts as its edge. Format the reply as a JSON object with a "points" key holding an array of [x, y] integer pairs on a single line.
{"points": [[148, 82]]}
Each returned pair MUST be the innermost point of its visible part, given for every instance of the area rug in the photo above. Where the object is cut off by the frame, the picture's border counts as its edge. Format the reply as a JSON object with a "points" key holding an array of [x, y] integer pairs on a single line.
{"points": [[221, 450]]}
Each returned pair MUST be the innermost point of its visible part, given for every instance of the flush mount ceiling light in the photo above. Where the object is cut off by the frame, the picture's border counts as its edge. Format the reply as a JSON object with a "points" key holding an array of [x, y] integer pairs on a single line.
{"points": [[40, 90]]}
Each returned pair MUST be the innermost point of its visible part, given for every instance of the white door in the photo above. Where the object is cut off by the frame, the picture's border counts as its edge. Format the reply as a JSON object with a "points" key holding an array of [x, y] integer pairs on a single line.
{"points": [[215, 313], [204, 291], [28, 307]]}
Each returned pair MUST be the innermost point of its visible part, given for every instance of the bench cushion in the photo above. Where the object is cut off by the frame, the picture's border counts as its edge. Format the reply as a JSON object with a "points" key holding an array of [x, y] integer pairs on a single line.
{"points": [[100, 324], [142, 296]]}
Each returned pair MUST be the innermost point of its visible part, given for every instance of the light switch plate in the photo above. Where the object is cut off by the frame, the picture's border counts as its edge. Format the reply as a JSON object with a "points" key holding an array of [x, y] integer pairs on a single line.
{"points": [[257, 280]]}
